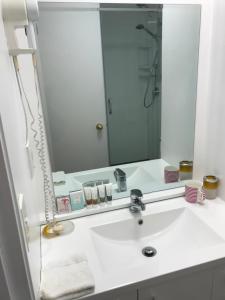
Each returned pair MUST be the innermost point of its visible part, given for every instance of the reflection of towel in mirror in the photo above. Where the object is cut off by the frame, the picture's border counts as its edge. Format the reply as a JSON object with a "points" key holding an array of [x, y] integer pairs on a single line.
{"points": [[59, 178], [67, 280]]}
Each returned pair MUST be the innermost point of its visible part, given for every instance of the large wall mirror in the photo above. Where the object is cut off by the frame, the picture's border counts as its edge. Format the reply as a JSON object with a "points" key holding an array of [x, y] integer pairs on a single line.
{"points": [[119, 88]]}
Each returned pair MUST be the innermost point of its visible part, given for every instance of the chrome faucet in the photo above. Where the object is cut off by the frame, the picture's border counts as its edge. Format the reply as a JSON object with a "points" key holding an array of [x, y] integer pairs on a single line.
{"points": [[121, 180], [136, 201]]}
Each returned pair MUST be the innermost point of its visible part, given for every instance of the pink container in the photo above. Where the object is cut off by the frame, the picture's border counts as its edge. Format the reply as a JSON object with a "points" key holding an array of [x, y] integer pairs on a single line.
{"points": [[194, 192], [171, 174]]}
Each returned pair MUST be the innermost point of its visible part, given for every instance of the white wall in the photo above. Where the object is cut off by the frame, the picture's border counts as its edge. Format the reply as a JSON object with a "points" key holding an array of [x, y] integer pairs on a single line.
{"points": [[213, 157], [14, 130], [72, 69], [13, 258], [180, 43]]}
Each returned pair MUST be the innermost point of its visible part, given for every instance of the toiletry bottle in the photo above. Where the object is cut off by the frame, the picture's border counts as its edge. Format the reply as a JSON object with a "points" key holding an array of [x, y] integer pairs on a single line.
{"points": [[108, 188], [76, 200], [101, 193], [94, 195], [87, 194]]}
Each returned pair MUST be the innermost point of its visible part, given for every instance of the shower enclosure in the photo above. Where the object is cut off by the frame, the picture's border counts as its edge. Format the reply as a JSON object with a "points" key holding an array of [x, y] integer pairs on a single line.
{"points": [[131, 45]]}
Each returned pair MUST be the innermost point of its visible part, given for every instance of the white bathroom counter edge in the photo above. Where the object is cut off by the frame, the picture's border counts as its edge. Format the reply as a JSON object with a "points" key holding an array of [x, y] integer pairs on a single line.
{"points": [[80, 241]]}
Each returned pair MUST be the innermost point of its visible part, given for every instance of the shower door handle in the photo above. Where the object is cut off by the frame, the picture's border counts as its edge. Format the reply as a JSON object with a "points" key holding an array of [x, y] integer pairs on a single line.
{"points": [[109, 106]]}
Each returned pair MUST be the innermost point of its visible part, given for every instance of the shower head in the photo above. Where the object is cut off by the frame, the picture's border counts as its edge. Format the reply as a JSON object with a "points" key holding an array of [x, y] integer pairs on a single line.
{"points": [[142, 27]]}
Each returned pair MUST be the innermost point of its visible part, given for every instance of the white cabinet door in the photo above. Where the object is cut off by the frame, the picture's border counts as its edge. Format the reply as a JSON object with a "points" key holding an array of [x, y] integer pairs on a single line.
{"points": [[197, 286], [125, 294], [219, 285], [131, 295]]}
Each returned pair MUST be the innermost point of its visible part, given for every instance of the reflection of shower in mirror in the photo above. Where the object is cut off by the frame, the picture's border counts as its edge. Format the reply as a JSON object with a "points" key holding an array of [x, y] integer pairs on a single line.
{"points": [[154, 69], [122, 77]]}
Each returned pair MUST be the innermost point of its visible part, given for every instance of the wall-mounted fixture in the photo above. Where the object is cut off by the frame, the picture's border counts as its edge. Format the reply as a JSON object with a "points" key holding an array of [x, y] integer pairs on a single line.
{"points": [[18, 14], [23, 14]]}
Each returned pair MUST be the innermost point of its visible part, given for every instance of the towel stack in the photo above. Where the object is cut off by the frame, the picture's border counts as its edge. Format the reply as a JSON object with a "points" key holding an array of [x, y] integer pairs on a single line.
{"points": [[68, 279]]}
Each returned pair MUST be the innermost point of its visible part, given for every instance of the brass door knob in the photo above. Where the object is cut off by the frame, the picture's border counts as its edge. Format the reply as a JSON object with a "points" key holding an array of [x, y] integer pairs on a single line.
{"points": [[99, 126]]}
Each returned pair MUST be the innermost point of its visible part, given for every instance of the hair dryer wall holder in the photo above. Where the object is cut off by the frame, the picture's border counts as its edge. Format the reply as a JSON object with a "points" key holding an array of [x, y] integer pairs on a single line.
{"points": [[18, 14]]}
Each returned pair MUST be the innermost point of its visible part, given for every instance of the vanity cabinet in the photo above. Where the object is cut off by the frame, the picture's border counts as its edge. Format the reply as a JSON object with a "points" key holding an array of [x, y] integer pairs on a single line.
{"points": [[219, 285], [199, 285], [196, 286], [122, 294], [131, 295]]}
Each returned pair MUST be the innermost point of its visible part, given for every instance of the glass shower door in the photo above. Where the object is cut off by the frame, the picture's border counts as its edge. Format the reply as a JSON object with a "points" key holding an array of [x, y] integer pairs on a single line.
{"points": [[127, 55]]}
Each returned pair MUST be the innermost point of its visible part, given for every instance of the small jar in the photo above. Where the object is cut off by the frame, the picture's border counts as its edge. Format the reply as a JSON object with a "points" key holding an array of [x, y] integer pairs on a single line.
{"points": [[210, 186], [186, 169]]}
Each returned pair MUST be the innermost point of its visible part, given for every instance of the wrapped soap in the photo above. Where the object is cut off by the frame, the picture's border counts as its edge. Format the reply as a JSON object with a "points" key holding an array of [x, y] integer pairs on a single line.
{"points": [[76, 200], [63, 204]]}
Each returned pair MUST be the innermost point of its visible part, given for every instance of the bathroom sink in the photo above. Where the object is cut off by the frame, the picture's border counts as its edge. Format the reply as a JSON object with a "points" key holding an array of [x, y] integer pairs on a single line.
{"points": [[174, 233]]}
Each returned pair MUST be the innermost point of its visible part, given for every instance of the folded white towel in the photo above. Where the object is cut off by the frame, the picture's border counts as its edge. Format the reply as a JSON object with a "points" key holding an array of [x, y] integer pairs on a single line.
{"points": [[67, 280]]}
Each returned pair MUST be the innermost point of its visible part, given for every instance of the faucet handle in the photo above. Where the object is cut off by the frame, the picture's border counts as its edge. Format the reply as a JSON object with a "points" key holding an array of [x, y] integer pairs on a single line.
{"points": [[136, 204], [136, 194], [118, 173], [120, 176]]}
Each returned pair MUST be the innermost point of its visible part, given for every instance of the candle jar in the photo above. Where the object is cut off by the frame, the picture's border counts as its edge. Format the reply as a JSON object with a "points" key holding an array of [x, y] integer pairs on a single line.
{"points": [[186, 169], [210, 186]]}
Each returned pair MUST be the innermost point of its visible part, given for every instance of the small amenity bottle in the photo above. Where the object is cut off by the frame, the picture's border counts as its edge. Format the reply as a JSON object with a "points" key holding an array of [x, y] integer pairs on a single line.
{"points": [[94, 195], [101, 193], [108, 188], [87, 194]]}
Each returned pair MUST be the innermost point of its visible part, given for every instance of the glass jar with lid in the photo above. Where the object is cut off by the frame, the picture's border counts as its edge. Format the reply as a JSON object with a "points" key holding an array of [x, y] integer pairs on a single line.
{"points": [[210, 186], [186, 169]]}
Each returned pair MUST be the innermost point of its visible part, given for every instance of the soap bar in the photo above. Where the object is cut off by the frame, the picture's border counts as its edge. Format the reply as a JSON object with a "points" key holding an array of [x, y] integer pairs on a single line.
{"points": [[63, 204], [77, 200]]}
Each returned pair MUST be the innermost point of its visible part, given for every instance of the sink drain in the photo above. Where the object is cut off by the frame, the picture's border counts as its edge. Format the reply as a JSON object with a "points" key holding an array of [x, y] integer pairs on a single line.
{"points": [[149, 251]]}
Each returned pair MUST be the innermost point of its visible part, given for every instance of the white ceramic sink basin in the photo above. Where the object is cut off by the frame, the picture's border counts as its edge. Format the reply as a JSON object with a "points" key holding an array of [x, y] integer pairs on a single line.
{"points": [[174, 233]]}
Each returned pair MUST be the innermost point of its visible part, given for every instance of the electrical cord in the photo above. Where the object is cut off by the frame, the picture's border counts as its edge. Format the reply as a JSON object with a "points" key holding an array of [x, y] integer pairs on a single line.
{"points": [[21, 98], [40, 143], [42, 155], [32, 123]]}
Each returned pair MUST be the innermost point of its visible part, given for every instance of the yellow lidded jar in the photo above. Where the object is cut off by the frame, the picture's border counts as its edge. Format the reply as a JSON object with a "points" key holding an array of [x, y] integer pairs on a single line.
{"points": [[210, 186], [186, 169]]}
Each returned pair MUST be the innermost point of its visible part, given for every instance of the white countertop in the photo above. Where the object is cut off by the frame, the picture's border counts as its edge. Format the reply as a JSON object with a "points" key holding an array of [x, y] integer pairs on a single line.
{"points": [[80, 241]]}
